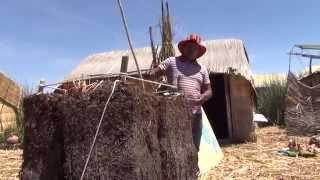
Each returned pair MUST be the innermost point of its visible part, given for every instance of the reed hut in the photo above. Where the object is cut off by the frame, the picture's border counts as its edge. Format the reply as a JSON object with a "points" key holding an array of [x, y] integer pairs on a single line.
{"points": [[9, 102], [303, 105], [303, 94], [230, 110]]}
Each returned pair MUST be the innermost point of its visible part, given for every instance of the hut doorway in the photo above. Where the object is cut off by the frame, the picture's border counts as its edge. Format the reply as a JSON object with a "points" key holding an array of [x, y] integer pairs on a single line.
{"points": [[217, 107]]}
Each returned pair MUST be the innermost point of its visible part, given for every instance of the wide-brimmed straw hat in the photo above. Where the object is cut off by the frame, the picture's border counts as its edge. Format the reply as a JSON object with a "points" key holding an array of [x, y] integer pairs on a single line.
{"points": [[195, 39]]}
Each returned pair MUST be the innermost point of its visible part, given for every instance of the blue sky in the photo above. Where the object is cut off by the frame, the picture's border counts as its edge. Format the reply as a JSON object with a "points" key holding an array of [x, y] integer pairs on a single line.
{"points": [[48, 38]]}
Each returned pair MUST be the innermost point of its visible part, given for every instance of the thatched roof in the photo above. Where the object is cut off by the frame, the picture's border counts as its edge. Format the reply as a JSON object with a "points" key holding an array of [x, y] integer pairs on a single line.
{"points": [[10, 92], [221, 56]]}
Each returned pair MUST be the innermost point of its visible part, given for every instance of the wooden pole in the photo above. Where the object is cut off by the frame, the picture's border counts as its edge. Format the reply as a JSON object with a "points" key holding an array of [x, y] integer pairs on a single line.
{"points": [[228, 104], [124, 64], [129, 40]]}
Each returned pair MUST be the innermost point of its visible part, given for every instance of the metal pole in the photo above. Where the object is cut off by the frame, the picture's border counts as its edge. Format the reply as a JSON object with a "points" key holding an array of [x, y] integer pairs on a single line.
{"points": [[290, 54], [310, 66], [129, 39]]}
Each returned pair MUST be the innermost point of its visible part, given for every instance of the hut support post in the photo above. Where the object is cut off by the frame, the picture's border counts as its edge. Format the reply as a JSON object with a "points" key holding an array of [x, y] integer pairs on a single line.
{"points": [[228, 105]]}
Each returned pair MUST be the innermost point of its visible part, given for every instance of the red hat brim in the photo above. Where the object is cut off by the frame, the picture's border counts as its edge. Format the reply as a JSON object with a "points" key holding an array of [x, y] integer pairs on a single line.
{"points": [[201, 48]]}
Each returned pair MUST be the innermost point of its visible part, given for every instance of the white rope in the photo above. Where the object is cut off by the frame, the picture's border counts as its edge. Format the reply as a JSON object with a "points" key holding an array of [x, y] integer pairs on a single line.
{"points": [[129, 41], [98, 128], [64, 90], [97, 85], [153, 82]]}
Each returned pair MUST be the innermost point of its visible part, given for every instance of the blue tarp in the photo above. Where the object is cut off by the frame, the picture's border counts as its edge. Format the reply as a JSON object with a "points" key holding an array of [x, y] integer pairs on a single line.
{"points": [[210, 153]]}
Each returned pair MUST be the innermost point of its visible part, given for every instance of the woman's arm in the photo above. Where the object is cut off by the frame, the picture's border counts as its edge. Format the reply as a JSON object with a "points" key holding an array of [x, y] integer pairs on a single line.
{"points": [[207, 93]]}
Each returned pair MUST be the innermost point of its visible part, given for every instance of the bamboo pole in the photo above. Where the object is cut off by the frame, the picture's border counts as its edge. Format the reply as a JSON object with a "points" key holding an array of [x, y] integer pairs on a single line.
{"points": [[129, 40]]}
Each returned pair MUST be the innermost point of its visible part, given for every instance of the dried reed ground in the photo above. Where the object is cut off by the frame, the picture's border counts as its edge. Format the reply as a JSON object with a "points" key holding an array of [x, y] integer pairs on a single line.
{"points": [[244, 161], [260, 160], [10, 163]]}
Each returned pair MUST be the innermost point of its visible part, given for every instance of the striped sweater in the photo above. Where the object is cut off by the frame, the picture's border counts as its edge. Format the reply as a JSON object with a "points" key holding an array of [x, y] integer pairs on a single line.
{"points": [[188, 76]]}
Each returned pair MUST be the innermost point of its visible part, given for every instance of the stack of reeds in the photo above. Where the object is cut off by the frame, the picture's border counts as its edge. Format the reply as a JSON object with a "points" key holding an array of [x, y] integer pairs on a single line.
{"points": [[7, 117], [167, 49], [142, 136]]}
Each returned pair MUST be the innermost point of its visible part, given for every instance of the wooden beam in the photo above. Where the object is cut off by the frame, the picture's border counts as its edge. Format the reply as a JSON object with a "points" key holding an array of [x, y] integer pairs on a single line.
{"points": [[305, 55]]}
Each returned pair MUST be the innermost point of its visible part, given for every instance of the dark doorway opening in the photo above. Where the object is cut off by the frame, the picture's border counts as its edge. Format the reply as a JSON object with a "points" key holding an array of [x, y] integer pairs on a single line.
{"points": [[216, 107]]}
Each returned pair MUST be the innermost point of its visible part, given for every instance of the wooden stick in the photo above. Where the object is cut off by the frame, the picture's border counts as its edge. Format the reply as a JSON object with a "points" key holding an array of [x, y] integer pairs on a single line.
{"points": [[129, 40]]}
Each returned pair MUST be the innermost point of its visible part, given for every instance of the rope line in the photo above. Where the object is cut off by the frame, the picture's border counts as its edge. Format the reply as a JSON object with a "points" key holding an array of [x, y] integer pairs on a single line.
{"points": [[97, 131], [153, 82]]}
